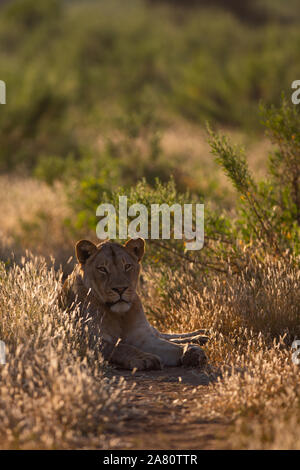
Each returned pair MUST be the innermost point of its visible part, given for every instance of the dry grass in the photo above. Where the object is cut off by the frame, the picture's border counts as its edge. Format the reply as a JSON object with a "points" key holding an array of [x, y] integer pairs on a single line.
{"points": [[33, 219], [253, 318], [53, 396], [50, 395]]}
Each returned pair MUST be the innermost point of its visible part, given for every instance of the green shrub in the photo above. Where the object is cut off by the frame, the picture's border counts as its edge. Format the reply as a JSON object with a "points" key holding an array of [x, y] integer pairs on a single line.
{"points": [[269, 211]]}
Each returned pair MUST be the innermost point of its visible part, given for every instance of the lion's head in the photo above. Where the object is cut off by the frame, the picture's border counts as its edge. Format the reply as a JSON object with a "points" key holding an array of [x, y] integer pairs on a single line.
{"points": [[111, 271]]}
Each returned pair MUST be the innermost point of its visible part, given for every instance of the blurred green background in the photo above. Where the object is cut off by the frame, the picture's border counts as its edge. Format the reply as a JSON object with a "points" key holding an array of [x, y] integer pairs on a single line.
{"points": [[103, 95], [76, 70]]}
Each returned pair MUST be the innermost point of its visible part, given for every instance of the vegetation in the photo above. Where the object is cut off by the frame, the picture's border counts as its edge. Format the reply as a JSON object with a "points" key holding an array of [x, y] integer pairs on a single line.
{"points": [[50, 396], [270, 209], [73, 71]]}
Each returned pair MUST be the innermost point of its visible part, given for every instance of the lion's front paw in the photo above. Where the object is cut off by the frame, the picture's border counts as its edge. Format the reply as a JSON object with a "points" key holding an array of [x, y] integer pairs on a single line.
{"points": [[145, 362], [194, 357]]}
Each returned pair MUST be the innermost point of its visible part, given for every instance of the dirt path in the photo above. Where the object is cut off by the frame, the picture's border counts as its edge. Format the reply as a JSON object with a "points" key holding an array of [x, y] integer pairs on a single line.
{"points": [[163, 404]]}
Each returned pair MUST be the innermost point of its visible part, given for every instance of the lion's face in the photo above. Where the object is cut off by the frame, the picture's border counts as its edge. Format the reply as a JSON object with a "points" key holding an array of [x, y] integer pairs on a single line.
{"points": [[111, 271]]}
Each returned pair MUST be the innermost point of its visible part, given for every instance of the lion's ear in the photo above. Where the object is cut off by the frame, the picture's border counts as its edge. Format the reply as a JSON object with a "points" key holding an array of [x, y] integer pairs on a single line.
{"points": [[84, 249], [136, 247]]}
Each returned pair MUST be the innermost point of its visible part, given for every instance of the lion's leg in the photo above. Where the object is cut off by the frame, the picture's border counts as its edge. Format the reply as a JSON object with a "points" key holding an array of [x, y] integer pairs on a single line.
{"points": [[130, 357], [169, 353], [146, 338], [172, 354]]}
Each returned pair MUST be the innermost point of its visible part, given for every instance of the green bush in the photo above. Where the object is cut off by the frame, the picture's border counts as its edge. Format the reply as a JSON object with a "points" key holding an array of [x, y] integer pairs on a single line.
{"points": [[269, 211], [92, 192]]}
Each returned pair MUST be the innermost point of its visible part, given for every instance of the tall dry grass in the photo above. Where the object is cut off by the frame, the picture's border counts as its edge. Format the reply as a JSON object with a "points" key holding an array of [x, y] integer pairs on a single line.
{"points": [[51, 396], [252, 318], [54, 396]]}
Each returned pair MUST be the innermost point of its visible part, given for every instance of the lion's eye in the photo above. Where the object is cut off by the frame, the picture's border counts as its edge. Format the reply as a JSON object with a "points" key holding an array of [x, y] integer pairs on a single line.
{"points": [[127, 267], [102, 269]]}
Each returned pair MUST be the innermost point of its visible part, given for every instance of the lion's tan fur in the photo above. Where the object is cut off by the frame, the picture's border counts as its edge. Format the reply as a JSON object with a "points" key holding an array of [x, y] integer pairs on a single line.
{"points": [[116, 321]]}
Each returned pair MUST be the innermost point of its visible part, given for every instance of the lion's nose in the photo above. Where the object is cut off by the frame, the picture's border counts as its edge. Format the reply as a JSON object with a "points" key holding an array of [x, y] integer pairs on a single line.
{"points": [[119, 290]]}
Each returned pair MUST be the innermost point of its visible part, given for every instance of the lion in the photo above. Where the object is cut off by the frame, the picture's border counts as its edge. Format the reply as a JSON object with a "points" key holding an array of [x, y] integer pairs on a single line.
{"points": [[104, 285]]}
